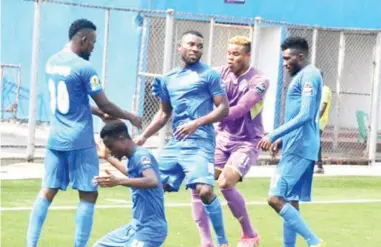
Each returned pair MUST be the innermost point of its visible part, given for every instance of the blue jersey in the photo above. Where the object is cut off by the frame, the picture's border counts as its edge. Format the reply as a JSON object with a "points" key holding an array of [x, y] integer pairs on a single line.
{"points": [[148, 204], [191, 90], [70, 80], [300, 131]]}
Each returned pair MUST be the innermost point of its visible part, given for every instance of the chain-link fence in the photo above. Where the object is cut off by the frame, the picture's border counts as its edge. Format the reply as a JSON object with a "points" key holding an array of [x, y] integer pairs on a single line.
{"points": [[346, 58], [10, 81], [349, 59]]}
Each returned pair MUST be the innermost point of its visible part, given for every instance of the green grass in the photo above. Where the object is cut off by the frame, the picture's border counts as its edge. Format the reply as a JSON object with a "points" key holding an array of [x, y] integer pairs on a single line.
{"points": [[341, 225]]}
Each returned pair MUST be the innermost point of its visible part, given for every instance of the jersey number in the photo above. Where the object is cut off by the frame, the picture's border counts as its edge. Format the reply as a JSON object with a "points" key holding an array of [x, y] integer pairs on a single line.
{"points": [[59, 97]]}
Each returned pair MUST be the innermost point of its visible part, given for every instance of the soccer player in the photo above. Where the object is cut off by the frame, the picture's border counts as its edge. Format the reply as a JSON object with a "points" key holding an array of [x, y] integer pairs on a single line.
{"points": [[190, 92], [299, 138], [325, 106], [71, 154], [148, 227], [237, 137]]}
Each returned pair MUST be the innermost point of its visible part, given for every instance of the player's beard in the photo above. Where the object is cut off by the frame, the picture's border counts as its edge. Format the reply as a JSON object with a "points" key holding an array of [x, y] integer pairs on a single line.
{"points": [[85, 55], [188, 60]]}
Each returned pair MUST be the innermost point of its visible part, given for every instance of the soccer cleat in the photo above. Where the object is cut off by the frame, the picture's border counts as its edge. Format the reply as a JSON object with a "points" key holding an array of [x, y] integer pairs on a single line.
{"points": [[249, 242], [322, 244]]}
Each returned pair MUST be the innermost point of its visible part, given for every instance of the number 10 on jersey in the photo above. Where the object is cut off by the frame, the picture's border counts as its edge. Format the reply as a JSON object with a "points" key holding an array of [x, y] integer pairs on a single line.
{"points": [[59, 97]]}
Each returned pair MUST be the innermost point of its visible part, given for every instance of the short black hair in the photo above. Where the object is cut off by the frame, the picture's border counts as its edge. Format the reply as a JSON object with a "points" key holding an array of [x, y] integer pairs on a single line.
{"points": [[194, 32], [295, 42], [80, 24], [115, 129]]}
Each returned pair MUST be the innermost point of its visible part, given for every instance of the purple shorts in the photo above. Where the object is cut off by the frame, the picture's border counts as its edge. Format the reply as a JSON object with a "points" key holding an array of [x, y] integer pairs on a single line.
{"points": [[238, 155]]}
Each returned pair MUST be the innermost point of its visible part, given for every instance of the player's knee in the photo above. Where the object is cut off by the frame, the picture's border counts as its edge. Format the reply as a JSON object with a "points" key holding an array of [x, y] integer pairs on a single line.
{"points": [[205, 192], [228, 179], [224, 183], [48, 193], [88, 196], [275, 202]]}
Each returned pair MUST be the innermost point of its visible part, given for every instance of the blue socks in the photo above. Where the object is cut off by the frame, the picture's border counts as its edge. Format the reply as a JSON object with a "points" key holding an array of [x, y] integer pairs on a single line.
{"points": [[36, 220], [294, 220], [214, 211], [289, 235], [84, 223]]}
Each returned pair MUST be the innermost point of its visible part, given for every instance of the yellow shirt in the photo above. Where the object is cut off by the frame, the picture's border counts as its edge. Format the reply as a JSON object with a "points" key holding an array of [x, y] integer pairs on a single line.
{"points": [[326, 98]]}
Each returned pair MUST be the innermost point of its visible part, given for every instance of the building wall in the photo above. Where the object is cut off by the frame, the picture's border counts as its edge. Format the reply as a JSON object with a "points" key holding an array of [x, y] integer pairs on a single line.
{"points": [[338, 13], [16, 46]]}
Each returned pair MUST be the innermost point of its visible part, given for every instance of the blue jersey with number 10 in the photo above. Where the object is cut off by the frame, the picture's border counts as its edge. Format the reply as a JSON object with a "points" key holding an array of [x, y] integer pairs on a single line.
{"points": [[70, 80]]}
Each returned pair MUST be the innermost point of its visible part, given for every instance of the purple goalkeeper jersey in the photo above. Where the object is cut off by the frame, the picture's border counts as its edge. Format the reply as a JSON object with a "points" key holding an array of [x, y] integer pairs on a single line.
{"points": [[245, 93]]}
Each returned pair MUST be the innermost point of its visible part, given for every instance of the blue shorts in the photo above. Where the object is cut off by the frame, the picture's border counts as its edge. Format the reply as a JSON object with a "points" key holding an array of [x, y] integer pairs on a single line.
{"points": [[77, 167], [128, 236], [192, 159], [293, 178]]}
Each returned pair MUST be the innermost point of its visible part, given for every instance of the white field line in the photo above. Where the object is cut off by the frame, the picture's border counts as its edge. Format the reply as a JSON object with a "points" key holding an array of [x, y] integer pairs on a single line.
{"points": [[177, 204]]}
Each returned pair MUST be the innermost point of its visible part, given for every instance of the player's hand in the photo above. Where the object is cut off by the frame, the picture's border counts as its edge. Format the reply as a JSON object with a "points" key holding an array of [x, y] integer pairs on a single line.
{"points": [[185, 130], [275, 147], [110, 180], [136, 121], [107, 118], [140, 140], [102, 150], [264, 143]]}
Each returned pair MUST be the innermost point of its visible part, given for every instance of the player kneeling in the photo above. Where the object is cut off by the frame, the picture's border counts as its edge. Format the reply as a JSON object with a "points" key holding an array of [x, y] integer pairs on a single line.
{"points": [[148, 227]]}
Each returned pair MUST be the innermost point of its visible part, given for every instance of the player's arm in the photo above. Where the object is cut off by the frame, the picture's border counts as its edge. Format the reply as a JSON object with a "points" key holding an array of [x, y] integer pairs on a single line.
{"points": [[97, 112], [164, 113], [306, 113], [113, 110], [104, 153], [159, 120], [325, 99], [323, 108], [148, 180], [252, 97], [94, 89], [117, 164]]}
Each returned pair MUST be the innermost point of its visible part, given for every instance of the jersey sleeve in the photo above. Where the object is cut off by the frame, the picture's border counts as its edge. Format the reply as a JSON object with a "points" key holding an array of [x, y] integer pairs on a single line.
{"points": [[145, 162], [214, 84], [257, 90], [310, 84], [164, 89], [91, 79]]}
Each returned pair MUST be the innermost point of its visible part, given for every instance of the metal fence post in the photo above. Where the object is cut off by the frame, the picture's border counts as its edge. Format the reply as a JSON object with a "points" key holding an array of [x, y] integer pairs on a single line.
{"points": [[340, 68], [169, 24], [255, 42], [376, 102], [210, 50], [105, 53], [34, 81], [313, 46]]}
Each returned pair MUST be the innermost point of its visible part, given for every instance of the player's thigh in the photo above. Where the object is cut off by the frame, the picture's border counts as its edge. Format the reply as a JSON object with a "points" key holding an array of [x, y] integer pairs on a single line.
{"points": [[241, 160], [220, 159], [288, 173], [117, 238], [197, 161], [83, 167], [171, 173], [303, 188], [56, 174]]}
